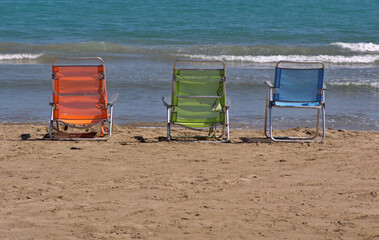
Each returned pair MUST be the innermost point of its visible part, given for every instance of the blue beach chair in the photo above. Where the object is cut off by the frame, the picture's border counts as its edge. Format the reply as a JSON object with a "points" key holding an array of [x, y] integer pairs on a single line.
{"points": [[297, 85]]}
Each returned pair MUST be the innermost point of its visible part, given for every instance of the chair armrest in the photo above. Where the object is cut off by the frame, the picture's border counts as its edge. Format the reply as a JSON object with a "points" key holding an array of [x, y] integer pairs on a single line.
{"points": [[51, 102], [323, 86], [166, 101], [113, 99], [227, 102], [269, 92], [269, 84]]}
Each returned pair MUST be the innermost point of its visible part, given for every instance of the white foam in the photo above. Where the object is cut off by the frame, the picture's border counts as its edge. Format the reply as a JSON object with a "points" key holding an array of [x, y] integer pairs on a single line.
{"points": [[362, 83], [19, 56], [276, 58], [358, 47], [374, 84]]}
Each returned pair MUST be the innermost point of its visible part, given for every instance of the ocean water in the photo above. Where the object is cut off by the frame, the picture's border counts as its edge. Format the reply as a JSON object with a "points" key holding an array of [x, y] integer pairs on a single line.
{"points": [[140, 40]]}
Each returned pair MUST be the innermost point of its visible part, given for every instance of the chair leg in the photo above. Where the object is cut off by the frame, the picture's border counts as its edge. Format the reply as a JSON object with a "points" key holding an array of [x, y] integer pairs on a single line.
{"points": [[102, 126], [265, 128], [322, 109], [225, 129], [270, 123], [111, 121], [227, 125], [51, 129], [268, 97], [227, 134], [51, 122], [168, 132], [298, 139], [318, 123], [168, 124], [323, 123]]}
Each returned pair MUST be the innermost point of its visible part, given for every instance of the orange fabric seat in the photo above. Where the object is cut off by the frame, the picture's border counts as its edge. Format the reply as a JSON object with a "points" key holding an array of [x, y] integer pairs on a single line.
{"points": [[79, 94]]}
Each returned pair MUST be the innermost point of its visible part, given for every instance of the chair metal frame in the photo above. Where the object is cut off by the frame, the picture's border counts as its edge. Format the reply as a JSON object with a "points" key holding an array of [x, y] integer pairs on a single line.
{"points": [[167, 102], [109, 105], [270, 104]]}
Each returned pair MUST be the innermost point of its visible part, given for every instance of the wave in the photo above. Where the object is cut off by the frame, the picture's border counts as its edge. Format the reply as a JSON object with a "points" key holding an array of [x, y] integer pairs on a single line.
{"points": [[358, 47], [334, 53], [374, 85], [20, 56], [276, 58], [350, 84]]}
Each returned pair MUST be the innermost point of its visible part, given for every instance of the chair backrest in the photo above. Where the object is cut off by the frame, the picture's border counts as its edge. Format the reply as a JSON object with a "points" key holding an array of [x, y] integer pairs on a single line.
{"points": [[79, 93], [299, 81], [198, 95]]}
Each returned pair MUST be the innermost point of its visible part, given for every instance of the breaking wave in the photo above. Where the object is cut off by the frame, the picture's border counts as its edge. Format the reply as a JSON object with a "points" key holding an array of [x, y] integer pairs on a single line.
{"points": [[358, 47], [334, 53], [20, 56], [275, 58], [374, 85]]}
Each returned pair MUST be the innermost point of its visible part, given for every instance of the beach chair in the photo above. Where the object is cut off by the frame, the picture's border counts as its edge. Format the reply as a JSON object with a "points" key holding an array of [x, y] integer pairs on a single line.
{"points": [[297, 85], [198, 100], [79, 100]]}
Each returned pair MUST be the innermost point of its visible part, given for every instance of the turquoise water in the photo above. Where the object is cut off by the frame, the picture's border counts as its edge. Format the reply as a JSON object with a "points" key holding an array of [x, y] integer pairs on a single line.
{"points": [[140, 40], [189, 22]]}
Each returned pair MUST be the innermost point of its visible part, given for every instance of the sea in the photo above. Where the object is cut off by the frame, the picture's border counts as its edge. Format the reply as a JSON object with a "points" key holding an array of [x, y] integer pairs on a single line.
{"points": [[139, 42]]}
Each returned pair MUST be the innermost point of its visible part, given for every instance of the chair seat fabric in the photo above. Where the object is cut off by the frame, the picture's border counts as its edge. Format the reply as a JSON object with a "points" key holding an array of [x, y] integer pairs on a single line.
{"points": [[197, 124], [198, 99], [296, 104]]}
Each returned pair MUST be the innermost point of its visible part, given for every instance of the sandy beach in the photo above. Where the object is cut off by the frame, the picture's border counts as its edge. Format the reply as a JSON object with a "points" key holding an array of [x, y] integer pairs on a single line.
{"points": [[137, 186]]}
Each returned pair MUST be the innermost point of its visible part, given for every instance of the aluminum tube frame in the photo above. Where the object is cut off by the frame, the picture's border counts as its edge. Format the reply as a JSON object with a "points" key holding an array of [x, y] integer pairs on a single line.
{"points": [[321, 109], [225, 128], [79, 59], [268, 116], [302, 63], [109, 120], [199, 61], [269, 107]]}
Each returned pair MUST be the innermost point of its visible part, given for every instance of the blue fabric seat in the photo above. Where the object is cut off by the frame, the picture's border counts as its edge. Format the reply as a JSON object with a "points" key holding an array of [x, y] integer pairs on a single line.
{"points": [[296, 104]]}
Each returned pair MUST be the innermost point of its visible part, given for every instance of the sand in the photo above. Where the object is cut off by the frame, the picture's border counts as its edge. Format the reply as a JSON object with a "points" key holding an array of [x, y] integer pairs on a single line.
{"points": [[135, 186]]}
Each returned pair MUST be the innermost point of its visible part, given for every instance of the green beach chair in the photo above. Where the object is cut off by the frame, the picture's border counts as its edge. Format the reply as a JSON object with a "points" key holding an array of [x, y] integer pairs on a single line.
{"points": [[198, 100], [297, 85]]}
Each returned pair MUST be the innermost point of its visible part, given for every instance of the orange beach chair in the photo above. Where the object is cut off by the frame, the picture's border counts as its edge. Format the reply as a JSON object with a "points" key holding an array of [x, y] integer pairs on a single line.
{"points": [[80, 100]]}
